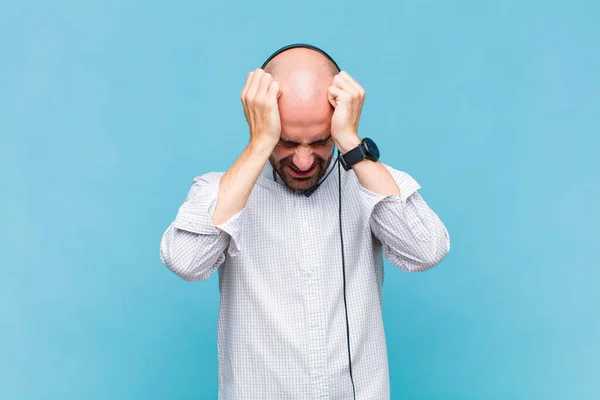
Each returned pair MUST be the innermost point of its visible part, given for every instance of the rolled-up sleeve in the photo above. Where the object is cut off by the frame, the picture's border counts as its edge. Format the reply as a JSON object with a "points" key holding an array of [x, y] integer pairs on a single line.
{"points": [[192, 247], [413, 237]]}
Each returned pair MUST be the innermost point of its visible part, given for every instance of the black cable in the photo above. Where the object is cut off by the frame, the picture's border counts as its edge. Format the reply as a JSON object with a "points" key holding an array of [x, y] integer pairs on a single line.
{"points": [[344, 276], [308, 192], [312, 189]]}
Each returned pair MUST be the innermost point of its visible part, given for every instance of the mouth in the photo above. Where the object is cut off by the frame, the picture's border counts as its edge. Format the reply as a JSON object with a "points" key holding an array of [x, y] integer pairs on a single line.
{"points": [[302, 174]]}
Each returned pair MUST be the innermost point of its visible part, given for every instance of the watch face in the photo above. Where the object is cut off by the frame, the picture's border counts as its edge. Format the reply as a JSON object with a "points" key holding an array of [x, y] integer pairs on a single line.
{"points": [[371, 148]]}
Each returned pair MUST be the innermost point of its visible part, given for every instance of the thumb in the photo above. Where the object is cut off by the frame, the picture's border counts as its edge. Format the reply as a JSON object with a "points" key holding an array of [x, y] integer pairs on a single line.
{"points": [[332, 95], [274, 89]]}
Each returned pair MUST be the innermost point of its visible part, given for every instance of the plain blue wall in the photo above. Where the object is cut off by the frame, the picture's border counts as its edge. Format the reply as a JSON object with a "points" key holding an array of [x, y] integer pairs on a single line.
{"points": [[109, 109]]}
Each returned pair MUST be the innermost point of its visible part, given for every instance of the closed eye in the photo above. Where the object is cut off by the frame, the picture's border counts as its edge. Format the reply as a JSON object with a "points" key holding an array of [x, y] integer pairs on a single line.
{"points": [[316, 143], [287, 144], [323, 142]]}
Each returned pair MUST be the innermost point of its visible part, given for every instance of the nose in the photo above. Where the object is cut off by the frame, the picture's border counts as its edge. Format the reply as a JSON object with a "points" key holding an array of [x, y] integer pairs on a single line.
{"points": [[303, 158]]}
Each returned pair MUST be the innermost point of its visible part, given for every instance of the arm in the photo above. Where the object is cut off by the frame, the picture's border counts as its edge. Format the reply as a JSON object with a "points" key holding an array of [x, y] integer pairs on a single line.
{"points": [[412, 235], [237, 183], [211, 218], [259, 99], [192, 247]]}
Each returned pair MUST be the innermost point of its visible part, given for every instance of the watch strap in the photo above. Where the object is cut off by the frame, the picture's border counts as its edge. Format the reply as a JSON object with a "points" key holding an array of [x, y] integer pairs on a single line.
{"points": [[353, 156]]}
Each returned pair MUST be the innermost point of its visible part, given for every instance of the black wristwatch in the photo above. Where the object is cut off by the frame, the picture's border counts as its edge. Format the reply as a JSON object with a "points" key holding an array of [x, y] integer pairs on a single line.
{"points": [[366, 149]]}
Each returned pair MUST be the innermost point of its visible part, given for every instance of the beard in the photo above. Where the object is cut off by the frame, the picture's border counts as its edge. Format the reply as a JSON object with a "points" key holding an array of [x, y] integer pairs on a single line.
{"points": [[299, 185]]}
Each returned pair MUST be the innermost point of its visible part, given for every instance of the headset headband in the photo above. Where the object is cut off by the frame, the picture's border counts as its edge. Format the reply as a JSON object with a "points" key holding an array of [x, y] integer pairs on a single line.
{"points": [[300, 45]]}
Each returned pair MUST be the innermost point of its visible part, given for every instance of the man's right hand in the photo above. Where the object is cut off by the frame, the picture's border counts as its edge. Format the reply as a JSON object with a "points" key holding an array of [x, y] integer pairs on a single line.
{"points": [[259, 99]]}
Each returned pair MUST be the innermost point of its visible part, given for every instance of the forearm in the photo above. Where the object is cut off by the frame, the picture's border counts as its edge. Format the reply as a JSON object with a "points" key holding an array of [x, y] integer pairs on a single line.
{"points": [[237, 183], [412, 235], [375, 177], [372, 175]]}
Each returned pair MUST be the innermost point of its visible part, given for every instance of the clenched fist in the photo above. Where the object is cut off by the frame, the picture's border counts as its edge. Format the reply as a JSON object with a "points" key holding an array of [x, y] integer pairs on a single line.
{"points": [[347, 97], [259, 99]]}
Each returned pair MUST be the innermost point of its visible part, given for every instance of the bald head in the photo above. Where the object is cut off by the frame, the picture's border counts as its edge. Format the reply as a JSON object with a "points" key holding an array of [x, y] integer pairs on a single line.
{"points": [[304, 76], [291, 59]]}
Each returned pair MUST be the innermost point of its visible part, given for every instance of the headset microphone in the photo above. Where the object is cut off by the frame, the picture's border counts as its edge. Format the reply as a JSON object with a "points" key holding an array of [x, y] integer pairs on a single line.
{"points": [[312, 189], [308, 192]]}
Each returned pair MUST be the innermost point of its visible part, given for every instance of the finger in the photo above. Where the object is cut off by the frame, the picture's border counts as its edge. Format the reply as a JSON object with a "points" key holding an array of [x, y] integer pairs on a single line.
{"points": [[247, 85], [248, 79], [274, 90], [335, 94], [352, 82], [263, 87], [254, 83], [341, 82], [331, 95]]}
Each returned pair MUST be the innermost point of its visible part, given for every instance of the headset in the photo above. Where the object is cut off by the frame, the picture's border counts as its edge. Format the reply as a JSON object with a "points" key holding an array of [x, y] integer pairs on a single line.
{"points": [[308, 192]]}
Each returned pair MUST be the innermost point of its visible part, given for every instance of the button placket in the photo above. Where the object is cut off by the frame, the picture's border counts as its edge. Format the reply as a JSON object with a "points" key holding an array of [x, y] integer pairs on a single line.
{"points": [[312, 294]]}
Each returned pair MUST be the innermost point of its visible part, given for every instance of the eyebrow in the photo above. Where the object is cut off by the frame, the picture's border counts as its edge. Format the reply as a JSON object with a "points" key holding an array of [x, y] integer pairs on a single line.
{"points": [[315, 143]]}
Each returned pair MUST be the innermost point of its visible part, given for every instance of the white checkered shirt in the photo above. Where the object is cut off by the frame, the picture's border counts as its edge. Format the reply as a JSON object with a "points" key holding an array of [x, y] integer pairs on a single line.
{"points": [[281, 326]]}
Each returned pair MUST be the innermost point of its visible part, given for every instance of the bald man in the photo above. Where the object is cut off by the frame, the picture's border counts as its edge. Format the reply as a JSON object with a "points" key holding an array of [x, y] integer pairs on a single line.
{"points": [[292, 323]]}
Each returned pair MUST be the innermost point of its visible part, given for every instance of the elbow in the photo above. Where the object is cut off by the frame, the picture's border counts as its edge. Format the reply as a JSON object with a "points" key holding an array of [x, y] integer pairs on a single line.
{"points": [[431, 253], [182, 263], [436, 251], [188, 271], [190, 277], [436, 257], [172, 263]]}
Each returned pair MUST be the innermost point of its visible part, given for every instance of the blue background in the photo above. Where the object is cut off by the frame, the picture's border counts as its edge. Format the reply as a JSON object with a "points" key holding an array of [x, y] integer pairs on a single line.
{"points": [[109, 109]]}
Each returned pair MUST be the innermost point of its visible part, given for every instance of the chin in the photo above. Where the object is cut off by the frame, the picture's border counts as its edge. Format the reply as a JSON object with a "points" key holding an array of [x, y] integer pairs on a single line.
{"points": [[301, 185]]}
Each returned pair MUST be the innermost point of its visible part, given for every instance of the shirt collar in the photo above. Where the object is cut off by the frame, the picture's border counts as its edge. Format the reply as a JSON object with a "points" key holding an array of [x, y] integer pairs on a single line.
{"points": [[268, 173]]}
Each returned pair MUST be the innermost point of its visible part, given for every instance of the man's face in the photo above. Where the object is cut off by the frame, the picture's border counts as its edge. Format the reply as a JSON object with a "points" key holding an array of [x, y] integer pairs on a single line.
{"points": [[305, 148]]}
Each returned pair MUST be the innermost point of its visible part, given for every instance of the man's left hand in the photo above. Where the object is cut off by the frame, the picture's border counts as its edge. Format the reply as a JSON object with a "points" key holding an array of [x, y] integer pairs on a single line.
{"points": [[347, 97]]}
